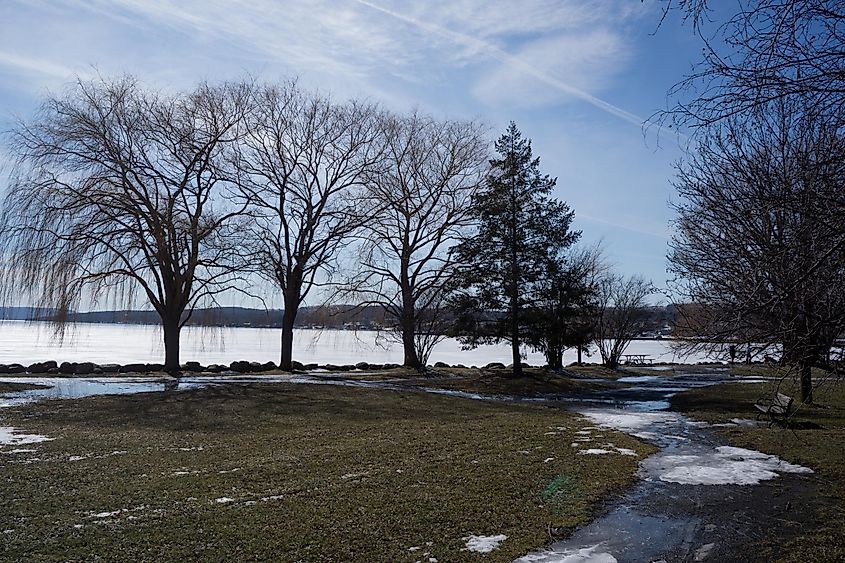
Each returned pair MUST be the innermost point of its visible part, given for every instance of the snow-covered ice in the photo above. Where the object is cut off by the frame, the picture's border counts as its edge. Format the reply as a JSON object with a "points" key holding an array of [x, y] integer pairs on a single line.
{"points": [[578, 555], [725, 465]]}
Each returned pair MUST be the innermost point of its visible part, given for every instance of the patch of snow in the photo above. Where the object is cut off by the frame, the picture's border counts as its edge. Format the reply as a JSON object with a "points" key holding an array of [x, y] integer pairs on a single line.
{"points": [[628, 421], [577, 555], [224, 500], [106, 514], [725, 465], [548, 459], [593, 451], [272, 497], [76, 457], [483, 544], [18, 451], [636, 379], [10, 437], [626, 451]]}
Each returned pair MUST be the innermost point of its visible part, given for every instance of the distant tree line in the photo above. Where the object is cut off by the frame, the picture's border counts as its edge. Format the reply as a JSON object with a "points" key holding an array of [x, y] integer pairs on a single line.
{"points": [[124, 194]]}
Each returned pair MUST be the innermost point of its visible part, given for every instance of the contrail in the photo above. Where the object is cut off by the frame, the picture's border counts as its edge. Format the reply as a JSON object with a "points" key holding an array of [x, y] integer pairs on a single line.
{"points": [[505, 57]]}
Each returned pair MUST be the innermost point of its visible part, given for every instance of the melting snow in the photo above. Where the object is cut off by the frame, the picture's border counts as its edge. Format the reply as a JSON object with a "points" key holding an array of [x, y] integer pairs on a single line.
{"points": [[725, 465], [10, 437], [593, 451], [577, 555], [484, 544], [224, 500]]}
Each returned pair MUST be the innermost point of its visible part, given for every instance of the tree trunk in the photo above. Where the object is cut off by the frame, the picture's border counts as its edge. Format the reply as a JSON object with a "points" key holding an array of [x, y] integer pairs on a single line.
{"points": [[171, 345], [579, 355], [806, 383], [288, 318], [409, 346]]}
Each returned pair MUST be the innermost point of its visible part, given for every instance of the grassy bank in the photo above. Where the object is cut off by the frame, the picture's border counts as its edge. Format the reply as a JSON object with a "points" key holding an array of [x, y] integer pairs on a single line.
{"points": [[816, 440], [296, 472]]}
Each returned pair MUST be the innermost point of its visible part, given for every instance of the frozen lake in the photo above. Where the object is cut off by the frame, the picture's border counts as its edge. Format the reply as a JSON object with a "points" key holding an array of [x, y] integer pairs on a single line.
{"points": [[25, 343]]}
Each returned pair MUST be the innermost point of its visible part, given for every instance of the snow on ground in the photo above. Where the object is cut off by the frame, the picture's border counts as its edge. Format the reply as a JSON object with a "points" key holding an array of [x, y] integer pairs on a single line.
{"points": [[593, 451], [10, 437], [577, 555], [224, 500], [484, 544], [725, 465], [629, 421]]}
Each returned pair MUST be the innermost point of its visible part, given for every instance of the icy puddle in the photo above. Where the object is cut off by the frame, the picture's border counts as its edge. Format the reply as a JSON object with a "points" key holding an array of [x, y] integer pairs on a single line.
{"points": [[661, 519]]}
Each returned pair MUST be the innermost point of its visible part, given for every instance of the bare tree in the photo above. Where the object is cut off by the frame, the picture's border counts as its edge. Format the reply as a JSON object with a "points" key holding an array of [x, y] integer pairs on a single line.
{"points": [[621, 314], [760, 243], [766, 50], [423, 190], [120, 192], [303, 165]]}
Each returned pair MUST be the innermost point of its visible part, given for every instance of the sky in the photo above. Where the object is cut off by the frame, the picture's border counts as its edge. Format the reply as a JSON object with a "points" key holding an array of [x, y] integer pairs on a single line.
{"points": [[579, 77]]}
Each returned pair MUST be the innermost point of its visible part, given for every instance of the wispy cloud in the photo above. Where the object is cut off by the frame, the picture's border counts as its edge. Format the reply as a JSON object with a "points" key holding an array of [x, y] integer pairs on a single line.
{"points": [[511, 60], [31, 65]]}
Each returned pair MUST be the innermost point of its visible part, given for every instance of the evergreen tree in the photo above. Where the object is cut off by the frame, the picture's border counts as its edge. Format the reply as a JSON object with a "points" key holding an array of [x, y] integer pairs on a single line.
{"points": [[563, 314], [521, 233]]}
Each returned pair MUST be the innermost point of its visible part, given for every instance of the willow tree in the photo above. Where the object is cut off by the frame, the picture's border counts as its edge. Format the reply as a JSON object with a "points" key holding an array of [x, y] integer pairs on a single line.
{"points": [[422, 192], [120, 192], [303, 167]]}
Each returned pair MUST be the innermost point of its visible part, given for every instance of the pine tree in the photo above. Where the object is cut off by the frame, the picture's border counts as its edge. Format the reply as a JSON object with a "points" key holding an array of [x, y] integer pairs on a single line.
{"points": [[522, 231]]}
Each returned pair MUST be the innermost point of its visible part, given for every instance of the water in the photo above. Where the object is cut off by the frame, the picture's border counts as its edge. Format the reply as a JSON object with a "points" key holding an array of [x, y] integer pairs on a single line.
{"points": [[25, 343], [662, 517]]}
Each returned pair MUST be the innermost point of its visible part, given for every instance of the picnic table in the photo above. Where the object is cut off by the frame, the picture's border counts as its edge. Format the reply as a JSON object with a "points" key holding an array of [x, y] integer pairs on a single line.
{"points": [[637, 359]]}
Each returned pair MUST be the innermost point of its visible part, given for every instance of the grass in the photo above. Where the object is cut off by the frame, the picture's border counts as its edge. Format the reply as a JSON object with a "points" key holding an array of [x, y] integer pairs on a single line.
{"points": [[315, 473], [13, 387], [816, 439], [534, 382]]}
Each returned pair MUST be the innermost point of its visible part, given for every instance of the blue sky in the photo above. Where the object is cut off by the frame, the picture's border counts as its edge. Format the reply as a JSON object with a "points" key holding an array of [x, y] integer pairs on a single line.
{"points": [[578, 77]]}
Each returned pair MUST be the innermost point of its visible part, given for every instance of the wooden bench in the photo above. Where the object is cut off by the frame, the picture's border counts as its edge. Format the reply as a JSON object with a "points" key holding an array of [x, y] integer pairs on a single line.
{"points": [[777, 407], [636, 359]]}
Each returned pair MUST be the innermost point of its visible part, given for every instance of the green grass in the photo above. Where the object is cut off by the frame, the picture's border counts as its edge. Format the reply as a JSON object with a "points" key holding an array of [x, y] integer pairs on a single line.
{"points": [[317, 473], [816, 440]]}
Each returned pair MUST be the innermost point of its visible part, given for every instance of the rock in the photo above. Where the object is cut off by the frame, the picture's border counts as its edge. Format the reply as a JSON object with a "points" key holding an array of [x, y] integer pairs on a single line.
{"points": [[239, 366], [441, 365], [110, 368], [460, 366], [38, 367], [154, 367], [133, 368], [269, 366], [297, 365], [15, 368], [216, 368], [84, 368], [362, 365], [53, 371], [391, 366], [332, 367], [376, 366], [254, 367], [495, 365], [192, 366], [67, 368], [311, 366]]}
